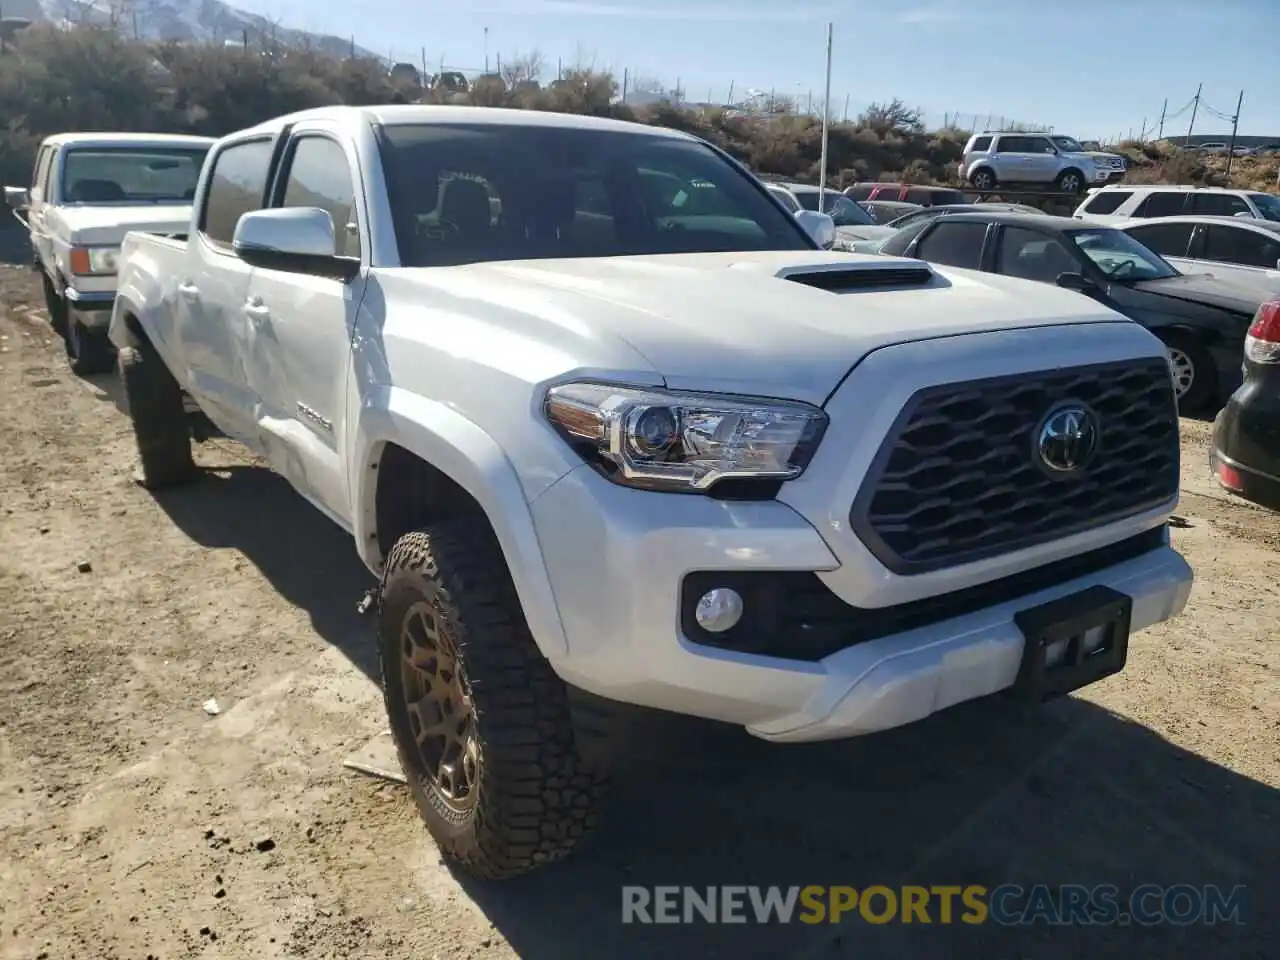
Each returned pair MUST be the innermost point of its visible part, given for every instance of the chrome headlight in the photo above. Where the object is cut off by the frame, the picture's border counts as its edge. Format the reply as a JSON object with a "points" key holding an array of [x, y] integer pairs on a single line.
{"points": [[668, 440], [89, 261]]}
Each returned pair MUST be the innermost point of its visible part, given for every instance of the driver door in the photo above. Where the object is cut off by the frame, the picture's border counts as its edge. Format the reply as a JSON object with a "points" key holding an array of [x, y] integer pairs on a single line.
{"points": [[299, 329]]}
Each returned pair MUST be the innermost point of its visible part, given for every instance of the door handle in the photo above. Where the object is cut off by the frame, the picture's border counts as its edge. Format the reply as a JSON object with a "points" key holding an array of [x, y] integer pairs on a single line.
{"points": [[256, 310], [189, 290]]}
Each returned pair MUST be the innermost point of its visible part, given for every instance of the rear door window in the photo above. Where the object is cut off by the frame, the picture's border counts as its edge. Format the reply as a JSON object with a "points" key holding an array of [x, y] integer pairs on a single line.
{"points": [[1219, 204], [1162, 203], [1246, 247], [1166, 239], [954, 244]]}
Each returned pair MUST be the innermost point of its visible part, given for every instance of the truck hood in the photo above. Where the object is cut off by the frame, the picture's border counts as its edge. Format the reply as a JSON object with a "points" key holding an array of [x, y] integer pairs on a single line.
{"points": [[752, 323], [1209, 290], [105, 224]]}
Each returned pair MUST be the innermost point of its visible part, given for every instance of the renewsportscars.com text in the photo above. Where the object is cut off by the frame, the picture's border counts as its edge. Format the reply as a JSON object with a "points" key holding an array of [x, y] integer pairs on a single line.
{"points": [[1005, 905]]}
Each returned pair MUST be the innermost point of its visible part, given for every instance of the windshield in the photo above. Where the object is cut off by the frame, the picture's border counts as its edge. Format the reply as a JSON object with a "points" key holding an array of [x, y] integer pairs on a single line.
{"points": [[845, 212], [131, 175], [1069, 144], [1120, 256], [467, 193], [1267, 205]]}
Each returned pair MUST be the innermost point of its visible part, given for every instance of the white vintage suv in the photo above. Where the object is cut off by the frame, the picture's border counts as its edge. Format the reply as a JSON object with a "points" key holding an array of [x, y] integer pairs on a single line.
{"points": [[601, 448]]}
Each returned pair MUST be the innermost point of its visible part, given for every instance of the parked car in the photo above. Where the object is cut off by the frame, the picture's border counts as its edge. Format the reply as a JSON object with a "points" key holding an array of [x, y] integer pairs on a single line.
{"points": [[1202, 320], [87, 191], [1245, 251], [1245, 453], [1213, 146], [886, 211], [1116, 204], [930, 213], [852, 223], [1114, 164], [690, 462], [1028, 159], [925, 195]]}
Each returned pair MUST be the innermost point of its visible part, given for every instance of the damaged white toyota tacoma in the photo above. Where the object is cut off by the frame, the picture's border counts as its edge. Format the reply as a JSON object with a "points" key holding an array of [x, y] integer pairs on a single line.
{"points": [[612, 428]]}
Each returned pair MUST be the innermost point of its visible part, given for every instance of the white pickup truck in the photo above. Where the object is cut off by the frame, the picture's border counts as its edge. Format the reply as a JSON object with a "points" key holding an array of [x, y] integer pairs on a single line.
{"points": [[87, 191], [602, 450]]}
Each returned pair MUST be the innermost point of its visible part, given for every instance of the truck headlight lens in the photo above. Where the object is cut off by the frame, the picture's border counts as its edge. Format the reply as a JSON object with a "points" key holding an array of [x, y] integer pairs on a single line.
{"points": [[89, 261], [670, 440]]}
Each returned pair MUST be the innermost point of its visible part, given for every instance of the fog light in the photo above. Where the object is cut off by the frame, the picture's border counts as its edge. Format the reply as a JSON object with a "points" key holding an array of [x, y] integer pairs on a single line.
{"points": [[719, 610]]}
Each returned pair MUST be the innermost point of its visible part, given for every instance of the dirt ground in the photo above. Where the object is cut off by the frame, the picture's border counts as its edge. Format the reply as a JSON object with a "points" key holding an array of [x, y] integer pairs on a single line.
{"points": [[134, 825]]}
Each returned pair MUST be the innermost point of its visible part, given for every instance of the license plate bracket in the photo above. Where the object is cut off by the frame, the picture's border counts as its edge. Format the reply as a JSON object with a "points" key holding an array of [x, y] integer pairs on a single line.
{"points": [[1074, 622]]}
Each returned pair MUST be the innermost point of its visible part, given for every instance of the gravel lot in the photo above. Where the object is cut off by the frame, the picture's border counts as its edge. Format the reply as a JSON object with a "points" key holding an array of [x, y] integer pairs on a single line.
{"points": [[134, 825]]}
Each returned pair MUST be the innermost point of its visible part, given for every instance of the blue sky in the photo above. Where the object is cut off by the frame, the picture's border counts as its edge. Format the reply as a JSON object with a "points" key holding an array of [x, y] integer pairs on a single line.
{"points": [[1094, 70]]}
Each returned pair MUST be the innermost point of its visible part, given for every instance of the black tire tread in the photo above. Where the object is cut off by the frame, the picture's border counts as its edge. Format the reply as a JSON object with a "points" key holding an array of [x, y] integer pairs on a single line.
{"points": [[537, 798], [159, 420], [93, 352]]}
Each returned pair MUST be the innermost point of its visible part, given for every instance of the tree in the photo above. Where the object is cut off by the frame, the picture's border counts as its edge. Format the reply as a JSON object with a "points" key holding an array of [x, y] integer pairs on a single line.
{"points": [[892, 117], [521, 71]]}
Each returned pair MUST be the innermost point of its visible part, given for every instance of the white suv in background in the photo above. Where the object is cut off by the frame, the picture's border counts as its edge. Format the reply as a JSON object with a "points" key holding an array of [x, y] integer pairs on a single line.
{"points": [[1118, 203], [992, 158]]}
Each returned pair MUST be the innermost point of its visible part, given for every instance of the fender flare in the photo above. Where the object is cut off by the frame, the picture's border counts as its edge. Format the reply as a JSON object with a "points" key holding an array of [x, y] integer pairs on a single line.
{"points": [[469, 456]]}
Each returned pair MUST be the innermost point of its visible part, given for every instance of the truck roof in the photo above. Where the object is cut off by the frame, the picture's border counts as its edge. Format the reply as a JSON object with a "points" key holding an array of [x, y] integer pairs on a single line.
{"points": [[396, 114], [109, 139]]}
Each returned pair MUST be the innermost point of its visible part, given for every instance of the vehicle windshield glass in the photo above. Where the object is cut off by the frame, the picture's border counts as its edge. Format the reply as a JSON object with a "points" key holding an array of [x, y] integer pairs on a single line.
{"points": [[131, 175], [845, 212], [468, 193], [1120, 256], [1267, 205], [1069, 144]]}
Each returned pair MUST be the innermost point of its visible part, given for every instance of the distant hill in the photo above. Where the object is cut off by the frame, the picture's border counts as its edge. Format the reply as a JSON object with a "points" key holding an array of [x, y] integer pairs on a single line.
{"points": [[186, 21]]}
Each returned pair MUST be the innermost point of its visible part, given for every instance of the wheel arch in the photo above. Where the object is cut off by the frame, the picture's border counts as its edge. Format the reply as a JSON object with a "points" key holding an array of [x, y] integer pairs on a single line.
{"points": [[417, 460]]}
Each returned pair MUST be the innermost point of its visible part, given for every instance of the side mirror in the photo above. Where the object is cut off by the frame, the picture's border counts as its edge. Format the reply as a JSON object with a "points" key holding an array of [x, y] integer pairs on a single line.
{"points": [[1076, 281], [819, 226], [295, 239], [17, 197]]}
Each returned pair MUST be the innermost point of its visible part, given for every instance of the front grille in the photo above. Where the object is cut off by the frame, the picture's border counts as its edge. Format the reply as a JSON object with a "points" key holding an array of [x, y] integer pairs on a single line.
{"points": [[796, 616], [958, 478]]}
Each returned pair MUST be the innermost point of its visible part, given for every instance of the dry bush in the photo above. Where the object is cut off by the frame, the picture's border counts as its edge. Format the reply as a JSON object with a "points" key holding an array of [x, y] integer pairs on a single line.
{"points": [[93, 79]]}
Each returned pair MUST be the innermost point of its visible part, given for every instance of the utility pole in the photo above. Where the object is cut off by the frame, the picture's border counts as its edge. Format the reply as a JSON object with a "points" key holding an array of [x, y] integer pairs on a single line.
{"points": [[1163, 110], [826, 120], [729, 103], [1195, 105], [486, 51], [1235, 124]]}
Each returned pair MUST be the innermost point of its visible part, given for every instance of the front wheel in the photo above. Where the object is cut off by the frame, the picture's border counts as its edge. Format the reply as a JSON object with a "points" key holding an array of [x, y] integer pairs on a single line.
{"points": [[1070, 181], [88, 349], [481, 722], [983, 179], [1195, 375], [56, 305]]}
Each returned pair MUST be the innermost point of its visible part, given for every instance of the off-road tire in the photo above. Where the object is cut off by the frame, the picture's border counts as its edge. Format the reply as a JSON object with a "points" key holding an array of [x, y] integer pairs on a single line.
{"points": [[88, 349], [536, 796], [57, 307], [984, 178], [159, 420], [1203, 389]]}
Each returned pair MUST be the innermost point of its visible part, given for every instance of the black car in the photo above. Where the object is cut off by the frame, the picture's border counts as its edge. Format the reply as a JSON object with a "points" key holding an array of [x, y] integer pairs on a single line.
{"points": [[1245, 455], [1201, 319]]}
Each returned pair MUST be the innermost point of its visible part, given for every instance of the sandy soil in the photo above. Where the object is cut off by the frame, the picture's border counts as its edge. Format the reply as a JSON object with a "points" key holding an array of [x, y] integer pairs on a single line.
{"points": [[133, 824]]}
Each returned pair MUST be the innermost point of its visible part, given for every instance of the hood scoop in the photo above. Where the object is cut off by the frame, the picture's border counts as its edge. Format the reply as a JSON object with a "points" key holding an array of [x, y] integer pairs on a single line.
{"points": [[871, 275]]}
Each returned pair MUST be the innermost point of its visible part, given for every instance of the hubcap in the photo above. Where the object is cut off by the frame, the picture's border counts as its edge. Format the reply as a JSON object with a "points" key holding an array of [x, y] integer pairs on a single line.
{"points": [[438, 698], [982, 181], [1182, 369], [1070, 184]]}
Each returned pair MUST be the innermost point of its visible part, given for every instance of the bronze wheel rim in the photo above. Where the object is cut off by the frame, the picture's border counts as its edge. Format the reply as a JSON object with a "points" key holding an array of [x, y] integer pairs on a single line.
{"points": [[438, 701]]}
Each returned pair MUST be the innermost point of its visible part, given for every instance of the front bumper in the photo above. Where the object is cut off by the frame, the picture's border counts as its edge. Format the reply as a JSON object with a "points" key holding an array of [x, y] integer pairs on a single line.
{"points": [[619, 560], [92, 307]]}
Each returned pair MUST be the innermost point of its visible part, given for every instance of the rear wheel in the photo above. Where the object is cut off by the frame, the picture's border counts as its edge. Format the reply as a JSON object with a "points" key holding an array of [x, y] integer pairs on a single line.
{"points": [[88, 349], [159, 419], [482, 724], [983, 179], [1195, 376]]}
